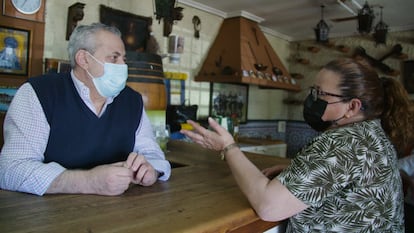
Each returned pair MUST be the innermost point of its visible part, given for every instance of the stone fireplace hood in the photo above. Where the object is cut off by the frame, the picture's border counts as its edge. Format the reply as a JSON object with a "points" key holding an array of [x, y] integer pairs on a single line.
{"points": [[242, 54]]}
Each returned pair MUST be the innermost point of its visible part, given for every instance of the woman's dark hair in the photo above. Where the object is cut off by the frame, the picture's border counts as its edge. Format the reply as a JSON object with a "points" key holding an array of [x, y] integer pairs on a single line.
{"points": [[383, 98]]}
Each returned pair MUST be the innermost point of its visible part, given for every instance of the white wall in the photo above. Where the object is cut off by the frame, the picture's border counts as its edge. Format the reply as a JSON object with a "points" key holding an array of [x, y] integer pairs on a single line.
{"points": [[263, 104]]}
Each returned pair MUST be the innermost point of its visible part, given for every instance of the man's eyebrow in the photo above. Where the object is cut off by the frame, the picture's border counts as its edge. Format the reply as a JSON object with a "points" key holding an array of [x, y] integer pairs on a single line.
{"points": [[116, 53]]}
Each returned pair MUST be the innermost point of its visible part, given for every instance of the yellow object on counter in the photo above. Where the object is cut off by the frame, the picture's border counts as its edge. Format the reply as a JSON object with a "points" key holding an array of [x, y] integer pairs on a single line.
{"points": [[186, 126], [175, 75]]}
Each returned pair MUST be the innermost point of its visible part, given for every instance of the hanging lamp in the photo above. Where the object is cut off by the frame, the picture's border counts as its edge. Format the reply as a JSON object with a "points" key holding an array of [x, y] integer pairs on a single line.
{"points": [[322, 29], [365, 19], [381, 30]]}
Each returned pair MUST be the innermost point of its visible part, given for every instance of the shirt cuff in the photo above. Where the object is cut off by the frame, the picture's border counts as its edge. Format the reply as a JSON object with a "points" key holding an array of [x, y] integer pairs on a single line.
{"points": [[46, 177]]}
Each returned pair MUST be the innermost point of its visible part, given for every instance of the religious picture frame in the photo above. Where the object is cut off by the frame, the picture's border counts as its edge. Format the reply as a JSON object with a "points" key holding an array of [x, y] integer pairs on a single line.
{"points": [[14, 51], [229, 100]]}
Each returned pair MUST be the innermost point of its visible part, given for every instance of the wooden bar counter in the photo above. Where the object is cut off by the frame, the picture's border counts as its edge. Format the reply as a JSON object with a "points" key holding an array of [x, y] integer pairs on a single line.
{"points": [[201, 196]]}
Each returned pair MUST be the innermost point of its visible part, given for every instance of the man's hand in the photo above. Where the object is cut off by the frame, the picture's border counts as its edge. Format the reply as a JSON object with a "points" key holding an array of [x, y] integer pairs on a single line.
{"points": [[142, 171], [111, 180]]}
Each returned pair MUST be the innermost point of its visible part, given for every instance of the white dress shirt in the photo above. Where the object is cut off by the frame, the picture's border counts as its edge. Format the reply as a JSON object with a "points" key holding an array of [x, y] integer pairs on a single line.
{"points": [[26, 133]]}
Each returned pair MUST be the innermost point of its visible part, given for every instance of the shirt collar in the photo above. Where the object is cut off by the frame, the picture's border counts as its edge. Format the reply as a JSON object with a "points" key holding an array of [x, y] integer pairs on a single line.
{"points": [[83, 91]]}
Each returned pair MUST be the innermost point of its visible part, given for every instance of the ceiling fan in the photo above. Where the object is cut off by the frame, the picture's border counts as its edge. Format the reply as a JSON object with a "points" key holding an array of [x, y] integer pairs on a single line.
{"points": [[365, 16], [353, 7], [346, 6]]}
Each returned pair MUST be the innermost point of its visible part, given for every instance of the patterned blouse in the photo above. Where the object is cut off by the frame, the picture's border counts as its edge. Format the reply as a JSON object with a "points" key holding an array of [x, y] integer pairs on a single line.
{"points": [[349, 178]]}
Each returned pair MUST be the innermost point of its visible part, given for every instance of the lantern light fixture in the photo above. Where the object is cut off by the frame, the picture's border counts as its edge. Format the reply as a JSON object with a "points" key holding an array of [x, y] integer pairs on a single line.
{"points": [[381, 30], [365, 19], [322, 29]]}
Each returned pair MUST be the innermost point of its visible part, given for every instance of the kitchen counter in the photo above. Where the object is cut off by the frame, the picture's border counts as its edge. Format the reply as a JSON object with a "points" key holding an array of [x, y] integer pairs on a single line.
{"points": [[263, 146], [201, 196], [259, 141]]}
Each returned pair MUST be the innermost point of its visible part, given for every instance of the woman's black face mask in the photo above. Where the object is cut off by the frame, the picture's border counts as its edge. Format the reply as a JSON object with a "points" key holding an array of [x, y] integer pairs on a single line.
{"points": [[313, 111]]}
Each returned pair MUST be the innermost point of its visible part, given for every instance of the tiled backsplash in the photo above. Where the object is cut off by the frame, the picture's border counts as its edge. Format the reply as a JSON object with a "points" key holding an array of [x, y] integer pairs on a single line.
{"points": [[297, 133], [261, 129]]}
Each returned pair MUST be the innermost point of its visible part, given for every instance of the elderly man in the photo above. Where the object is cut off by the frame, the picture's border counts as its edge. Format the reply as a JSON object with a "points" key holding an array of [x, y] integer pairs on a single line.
{"points": [[83, 131]]}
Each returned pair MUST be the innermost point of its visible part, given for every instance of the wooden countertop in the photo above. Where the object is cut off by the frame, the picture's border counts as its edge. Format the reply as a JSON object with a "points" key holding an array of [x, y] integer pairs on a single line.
{"points": [[199, 197]]}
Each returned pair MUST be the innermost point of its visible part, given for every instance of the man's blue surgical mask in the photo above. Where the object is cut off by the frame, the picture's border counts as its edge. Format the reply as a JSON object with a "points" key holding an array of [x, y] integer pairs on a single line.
{"points": [[112, 81]]}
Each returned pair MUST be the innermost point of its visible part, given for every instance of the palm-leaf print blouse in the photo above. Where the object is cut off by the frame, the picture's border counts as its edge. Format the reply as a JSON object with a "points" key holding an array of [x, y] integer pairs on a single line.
{"points": [[349, 178]]}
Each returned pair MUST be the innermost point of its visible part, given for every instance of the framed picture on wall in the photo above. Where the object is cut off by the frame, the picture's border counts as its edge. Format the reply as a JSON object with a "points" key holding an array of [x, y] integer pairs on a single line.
{"points": [[229, 100], [6, 96], [135, 29], [14, 51], [53, 65], [64, 66]]}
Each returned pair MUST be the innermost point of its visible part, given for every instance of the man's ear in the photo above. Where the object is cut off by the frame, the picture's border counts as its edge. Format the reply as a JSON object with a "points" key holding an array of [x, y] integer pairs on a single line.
{"points": [[80, 59], [354, 107]]}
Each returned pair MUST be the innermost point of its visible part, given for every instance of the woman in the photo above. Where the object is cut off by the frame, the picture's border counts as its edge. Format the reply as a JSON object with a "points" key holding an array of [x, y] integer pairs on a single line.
{"points": [[346, 179]]}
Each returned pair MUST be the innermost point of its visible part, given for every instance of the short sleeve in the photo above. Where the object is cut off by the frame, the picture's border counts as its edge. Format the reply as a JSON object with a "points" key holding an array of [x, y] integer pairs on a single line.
{"points": [[320, 170]]}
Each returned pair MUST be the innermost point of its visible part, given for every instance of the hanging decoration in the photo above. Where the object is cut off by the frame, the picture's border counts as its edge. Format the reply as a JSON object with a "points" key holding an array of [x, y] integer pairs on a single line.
{"points": [[322, 29], [396, 50], [197, 26], [381, 30], [365, 19], [75, 14], [166, 10]]}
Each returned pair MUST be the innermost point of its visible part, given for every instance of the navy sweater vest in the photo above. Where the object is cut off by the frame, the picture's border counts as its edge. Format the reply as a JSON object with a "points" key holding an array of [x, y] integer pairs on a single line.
{"points": [[78, 138]]}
